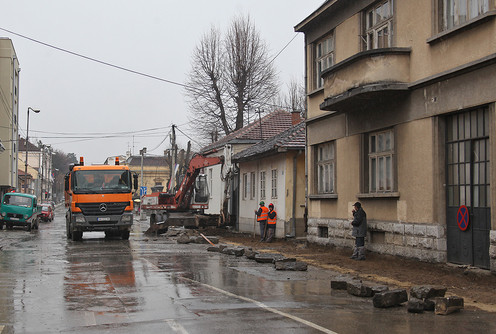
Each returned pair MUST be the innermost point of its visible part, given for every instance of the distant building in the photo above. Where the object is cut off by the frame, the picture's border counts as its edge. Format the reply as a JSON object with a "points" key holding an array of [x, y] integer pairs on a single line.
{"points": [[9, 116], [156, 171]]}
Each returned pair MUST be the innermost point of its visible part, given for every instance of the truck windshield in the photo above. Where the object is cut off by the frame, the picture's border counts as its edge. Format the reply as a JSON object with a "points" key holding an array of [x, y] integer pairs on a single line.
{"points": [[101, 181], [17, 200]]}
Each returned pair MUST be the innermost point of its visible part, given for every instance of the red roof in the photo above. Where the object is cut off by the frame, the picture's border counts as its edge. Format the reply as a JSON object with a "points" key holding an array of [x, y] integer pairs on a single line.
{"points": [[271, 124]]}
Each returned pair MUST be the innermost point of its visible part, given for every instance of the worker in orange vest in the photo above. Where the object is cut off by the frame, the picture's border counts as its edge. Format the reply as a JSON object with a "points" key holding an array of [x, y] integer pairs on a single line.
{"points": [[271, 223], [262, 219]]}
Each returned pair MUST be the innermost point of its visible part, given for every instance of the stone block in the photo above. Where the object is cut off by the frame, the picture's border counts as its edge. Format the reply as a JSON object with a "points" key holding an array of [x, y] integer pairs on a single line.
{"points": [[492, 236], [411, 241], [425, 243], [268, 257], [440, 245], [447, 305], [390, 298], [379, 289], [250, 254], [419, 230], [291, 265], [429, 304], [340, 282], [434, 231], [237, 251], [357, 288], [415, 305], [183, 239], [399, 228], [427, 291], [409, 229], [213, 249]]}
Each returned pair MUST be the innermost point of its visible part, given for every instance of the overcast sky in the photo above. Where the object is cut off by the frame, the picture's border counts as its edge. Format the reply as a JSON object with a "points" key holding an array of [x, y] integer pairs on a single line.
{"points": [[79, 98]]}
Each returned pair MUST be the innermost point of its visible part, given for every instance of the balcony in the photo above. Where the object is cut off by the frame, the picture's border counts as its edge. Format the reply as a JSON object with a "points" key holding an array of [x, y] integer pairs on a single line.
{"points": [[367, 77]]}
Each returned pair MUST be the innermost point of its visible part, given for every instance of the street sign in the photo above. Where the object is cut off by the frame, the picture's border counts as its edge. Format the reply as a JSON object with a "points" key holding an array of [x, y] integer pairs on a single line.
{"points": [[462, 217], [142, 191]]}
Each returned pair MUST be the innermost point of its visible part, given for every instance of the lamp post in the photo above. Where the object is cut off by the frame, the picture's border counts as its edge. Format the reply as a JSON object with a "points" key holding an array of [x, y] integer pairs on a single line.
{"points": [[26, 144]]}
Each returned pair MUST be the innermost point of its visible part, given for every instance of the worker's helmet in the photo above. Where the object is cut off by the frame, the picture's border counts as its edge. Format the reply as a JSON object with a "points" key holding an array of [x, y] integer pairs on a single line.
{"points": [[271, 205], [262, 203]]}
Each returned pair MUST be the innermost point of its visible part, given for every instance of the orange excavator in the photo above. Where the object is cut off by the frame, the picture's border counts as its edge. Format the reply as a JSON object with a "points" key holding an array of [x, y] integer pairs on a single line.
{"points": [[181, 205]]}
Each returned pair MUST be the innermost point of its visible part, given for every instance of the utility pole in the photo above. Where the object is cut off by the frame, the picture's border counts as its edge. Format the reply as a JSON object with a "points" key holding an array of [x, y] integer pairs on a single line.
{"points": [[173, 164], [142, 153]]}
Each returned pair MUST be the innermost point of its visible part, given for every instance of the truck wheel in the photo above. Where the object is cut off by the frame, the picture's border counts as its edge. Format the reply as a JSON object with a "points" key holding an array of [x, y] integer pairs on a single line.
{"points": [[1, 226], [125, 235], [77, 235], [67, 231], [8, 226], [28, 227]]}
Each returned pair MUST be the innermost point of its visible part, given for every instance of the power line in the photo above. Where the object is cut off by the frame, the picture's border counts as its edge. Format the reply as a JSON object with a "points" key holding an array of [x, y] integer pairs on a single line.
{"points": [[96, 60]]}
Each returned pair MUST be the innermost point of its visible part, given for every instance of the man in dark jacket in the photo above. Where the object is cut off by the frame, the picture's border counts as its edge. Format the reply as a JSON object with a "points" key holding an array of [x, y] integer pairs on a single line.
{"points": [[359, 224]]}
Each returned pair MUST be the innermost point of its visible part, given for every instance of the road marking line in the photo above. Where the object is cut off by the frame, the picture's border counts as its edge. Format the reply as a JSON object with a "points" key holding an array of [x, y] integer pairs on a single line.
{"points": [[176, 327], [259, 304], [262, 305]]}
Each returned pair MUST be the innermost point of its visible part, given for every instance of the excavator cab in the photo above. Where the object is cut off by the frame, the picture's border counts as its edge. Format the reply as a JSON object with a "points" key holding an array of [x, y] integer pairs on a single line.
{"points": [[201, 194]]}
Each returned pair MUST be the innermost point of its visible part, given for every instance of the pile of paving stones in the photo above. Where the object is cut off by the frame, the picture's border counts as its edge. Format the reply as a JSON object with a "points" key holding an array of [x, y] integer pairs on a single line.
{"points": [[422, 298], [280, 261]]}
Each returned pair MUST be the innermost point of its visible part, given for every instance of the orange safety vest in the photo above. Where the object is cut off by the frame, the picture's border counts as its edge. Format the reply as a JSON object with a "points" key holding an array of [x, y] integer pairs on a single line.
{"points": [[272, 221], [263, 215]]}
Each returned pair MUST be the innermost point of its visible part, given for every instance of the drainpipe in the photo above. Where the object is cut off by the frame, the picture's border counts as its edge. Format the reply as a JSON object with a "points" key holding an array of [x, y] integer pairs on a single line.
{"points": [[13, 166]]}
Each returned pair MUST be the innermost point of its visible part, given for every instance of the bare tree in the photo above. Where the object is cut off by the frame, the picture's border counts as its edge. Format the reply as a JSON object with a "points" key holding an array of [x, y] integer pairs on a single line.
{"points": [[294, 99], [228, 77]]}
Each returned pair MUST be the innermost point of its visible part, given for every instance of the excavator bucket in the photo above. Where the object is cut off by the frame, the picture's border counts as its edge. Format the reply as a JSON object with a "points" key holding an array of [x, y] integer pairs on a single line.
{"points": [[159, 223]]}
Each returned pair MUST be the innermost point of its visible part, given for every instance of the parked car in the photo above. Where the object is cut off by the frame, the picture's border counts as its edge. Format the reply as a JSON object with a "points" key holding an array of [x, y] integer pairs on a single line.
{"points": [[19, 210], [46, 212]]}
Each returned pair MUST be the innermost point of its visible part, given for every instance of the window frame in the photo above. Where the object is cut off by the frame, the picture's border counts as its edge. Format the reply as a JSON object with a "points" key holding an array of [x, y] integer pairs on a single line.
{"points": [[262, 185], [321, 162], [378, 179], [371, 31], [245, 185], [274, 183], [328, 43], [253, 185], [444, 23]]}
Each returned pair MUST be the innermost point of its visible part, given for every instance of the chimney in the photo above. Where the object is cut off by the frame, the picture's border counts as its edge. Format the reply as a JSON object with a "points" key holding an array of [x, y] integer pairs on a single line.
{"points": [[295, 117]]}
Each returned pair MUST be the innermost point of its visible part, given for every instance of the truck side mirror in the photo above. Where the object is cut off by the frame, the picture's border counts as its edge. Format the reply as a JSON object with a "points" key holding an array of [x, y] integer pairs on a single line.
{"points": [[66, 181], [135, 179]]}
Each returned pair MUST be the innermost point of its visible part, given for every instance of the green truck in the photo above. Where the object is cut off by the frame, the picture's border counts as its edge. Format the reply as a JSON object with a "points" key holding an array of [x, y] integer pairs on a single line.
{"points": [[19, 210]]}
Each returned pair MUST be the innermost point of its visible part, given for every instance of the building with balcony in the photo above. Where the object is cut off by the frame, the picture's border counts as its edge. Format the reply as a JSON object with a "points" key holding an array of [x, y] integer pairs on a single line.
{"points": [[401, 117]]}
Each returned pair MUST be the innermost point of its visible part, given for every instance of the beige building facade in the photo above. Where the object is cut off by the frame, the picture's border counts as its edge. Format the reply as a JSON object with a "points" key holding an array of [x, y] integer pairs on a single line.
{"points": [[9, 115], [401, 117]]}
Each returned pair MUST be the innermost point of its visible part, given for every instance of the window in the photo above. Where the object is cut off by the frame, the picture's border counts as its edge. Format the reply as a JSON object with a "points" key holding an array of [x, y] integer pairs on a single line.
{"points": [[324, 58], [457, 12], [381, 151], [378, 26], [245, 186], [210, 180], [262, 185], [325, 168], [253, 185], [274, 183]]}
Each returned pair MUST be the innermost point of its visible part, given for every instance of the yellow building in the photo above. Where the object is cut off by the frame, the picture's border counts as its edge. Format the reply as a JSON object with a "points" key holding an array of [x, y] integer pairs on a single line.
{"points": [[156, 171], [401, 117], [9, 116]]}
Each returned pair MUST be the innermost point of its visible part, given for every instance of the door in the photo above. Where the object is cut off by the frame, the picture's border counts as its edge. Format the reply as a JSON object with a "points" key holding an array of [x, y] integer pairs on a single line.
{"points": [[467, 184]]}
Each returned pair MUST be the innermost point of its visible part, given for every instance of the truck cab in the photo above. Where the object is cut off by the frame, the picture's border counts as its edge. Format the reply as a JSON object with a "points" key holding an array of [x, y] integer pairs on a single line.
{"points": [[99, 198], [19, 210]]}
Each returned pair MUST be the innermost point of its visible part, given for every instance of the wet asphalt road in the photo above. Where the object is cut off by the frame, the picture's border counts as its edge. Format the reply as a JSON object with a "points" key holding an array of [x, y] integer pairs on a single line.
{"points": [[49, 284]]}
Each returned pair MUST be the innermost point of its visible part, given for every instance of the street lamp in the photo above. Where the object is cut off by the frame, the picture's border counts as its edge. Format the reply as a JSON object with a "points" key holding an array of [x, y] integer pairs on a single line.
{"points": [[26, 144]]}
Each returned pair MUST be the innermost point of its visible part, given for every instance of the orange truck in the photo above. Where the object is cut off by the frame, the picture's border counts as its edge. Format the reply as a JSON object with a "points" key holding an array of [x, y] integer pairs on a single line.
{"points": [[99, 198]]}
